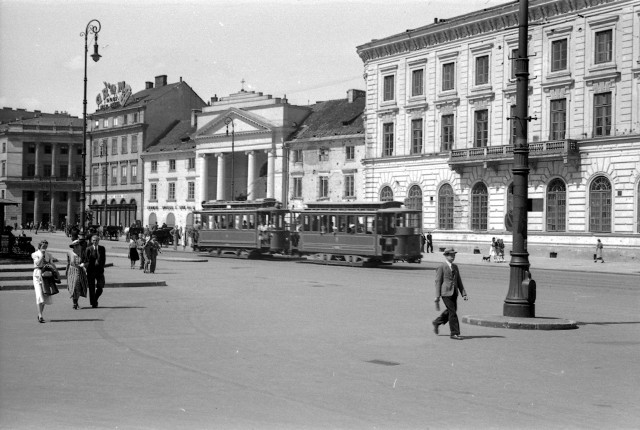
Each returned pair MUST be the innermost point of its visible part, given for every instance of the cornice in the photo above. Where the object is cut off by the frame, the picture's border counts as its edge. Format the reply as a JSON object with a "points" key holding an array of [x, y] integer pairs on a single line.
{"points": [[483, 22]]}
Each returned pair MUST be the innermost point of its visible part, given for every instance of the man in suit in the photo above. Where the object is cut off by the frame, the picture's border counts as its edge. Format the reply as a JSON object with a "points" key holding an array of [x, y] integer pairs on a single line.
{"points": [[448, 284], [95, 259]]}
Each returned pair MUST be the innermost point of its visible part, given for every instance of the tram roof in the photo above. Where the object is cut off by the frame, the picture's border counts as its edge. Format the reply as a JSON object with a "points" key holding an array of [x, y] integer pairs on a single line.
{"points": [[242, 205], [353, 206]]}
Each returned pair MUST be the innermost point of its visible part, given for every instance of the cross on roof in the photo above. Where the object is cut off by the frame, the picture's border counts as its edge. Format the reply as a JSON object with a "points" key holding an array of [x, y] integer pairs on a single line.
{"points": [[242, 82]]}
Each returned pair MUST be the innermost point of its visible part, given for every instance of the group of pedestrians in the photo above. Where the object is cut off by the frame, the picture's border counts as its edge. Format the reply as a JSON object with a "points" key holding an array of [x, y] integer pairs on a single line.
{"points": [[496, 252], [85, 273], [146, 251]]}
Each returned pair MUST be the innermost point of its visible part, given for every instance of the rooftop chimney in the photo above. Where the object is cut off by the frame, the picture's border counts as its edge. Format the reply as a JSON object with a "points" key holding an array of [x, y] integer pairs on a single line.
{"points": [[161, 81], [214, 98], [148, 85]]}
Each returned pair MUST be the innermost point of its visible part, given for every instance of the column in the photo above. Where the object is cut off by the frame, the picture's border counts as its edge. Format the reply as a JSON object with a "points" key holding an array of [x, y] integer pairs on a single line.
{"points": [[54, 160], [36, 207], [251, 174], [270, 174], [70, 218], [221, 181], [53, 218], [203, 171], [38, 170], [70, 171]]}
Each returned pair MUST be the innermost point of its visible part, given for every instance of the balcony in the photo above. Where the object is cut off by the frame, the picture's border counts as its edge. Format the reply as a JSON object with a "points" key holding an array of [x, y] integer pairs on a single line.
{"points": [[492, 156]]}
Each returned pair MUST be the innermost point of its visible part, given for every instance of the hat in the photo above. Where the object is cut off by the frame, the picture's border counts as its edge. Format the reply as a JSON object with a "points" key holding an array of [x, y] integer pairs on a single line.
{"points": [[450, 251], [74, 243]]}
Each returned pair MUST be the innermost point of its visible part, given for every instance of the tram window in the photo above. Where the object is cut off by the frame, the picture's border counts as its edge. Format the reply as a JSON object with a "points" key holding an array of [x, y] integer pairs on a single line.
{"points": [[205, 221], [342, 223], [400, 221], [333, 224]]}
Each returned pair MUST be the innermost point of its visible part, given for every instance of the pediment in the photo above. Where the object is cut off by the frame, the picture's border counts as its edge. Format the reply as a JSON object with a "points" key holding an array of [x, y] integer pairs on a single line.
{"points": [[242, 123]]}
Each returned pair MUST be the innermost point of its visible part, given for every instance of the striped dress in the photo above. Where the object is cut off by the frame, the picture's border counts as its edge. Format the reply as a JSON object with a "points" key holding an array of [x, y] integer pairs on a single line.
{"points": [[76, 277]]}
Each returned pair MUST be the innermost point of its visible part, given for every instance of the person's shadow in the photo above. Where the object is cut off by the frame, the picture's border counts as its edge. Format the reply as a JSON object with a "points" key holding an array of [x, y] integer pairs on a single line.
{"points": [[481, 337]]}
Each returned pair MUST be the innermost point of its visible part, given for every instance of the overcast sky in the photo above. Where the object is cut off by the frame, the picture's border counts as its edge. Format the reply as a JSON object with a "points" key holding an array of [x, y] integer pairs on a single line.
{"points": [[303, 49]]}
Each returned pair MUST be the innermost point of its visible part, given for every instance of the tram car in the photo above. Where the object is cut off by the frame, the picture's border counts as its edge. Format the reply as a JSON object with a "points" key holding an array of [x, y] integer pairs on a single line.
{"points": [[243, 228], [366, 233]]}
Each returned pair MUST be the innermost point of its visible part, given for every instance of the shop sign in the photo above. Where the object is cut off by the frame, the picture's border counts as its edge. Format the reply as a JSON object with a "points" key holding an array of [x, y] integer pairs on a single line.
{"points": [[113, 96]]}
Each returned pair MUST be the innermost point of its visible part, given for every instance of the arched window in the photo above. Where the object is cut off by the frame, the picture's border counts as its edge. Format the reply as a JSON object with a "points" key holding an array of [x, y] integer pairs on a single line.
{"points": [[171, 220], [600, 204], [414, 199], [386, 194], [153, 219], [479, 207], [556, 206], [189, 219], [445, 207]]}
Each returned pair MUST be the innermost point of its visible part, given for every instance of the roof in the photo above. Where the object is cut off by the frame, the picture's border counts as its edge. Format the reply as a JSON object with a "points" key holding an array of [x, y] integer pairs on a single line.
{"points": [[333, 118], [143, 97], [176, 138], [53, 120], [11, 115]]}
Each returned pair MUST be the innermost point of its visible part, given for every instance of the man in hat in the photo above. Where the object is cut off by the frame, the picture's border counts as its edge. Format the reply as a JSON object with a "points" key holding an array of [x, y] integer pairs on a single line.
{"points": [[448, 284], [95, 259]]}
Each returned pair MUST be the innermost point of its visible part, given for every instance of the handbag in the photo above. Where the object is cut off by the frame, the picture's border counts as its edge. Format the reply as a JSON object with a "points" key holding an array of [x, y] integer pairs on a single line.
{"points": [[49, 287]]}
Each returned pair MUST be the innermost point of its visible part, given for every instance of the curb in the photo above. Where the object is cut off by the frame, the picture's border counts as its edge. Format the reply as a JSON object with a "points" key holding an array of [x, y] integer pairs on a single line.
{"points": [[21, 287], [499, 321]]}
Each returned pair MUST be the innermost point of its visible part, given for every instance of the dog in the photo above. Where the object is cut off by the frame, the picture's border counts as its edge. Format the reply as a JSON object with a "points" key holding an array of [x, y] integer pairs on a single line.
{"points": [[486, 258]]}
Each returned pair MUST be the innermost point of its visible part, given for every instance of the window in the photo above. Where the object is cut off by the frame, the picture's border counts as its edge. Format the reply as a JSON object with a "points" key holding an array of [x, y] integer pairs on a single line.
{"points": [[558, 119], [134, 173], [482, 70], [479, 207], [417, 82], [556, 206], [323, 191], [46, 170], [78, 170], [125, 119], [134, 143], [603, 47], [64, 150], [114, 175], [448, 76], [350, 152], [386, 194], [3, 172], [414, 198], [191, 190], [445, 207], [97, 124], [387, 139], [153, 192], [349, 186], [30, 195], [154, 166], [115, 121], [171, 195], [135, 118], [296, 155], [124, 144], [105, 123], [389, 88], [514, 123], [481, 125], [46, 197], [123, 174], [172, 165], [4, 147], [514, 63], [600, 206], [191, 163], [447, 133], [31, 170], [104, 175], [95, 175], [47, 149], [31, 148], [323, 154], [602, 114], [416, 136], [63, 171], [559, 55], [297, 188], [114, 146]]}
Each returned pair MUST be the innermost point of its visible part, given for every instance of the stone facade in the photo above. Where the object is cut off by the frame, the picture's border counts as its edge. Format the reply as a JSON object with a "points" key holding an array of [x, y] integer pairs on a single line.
{"points": [[439, 119]]}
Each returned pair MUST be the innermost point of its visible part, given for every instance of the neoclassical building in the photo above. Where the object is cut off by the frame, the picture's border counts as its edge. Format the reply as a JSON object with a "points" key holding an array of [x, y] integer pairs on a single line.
{"points": [[439, 132]]}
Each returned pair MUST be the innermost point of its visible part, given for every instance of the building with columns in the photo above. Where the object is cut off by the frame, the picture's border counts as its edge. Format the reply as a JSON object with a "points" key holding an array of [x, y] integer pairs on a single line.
{"points": [[325, 152], [124, 125], [41, 168], [440, 125], [240, 151]]}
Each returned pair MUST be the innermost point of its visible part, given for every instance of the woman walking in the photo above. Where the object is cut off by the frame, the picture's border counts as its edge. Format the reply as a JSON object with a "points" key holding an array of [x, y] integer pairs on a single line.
{"points": [[598, 255], [133, 251], [41, 258], [77, 281]]}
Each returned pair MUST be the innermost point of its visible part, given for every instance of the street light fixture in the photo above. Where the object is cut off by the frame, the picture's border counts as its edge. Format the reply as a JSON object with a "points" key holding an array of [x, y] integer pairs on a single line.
{"points": [[93, 27], [228, 120]]}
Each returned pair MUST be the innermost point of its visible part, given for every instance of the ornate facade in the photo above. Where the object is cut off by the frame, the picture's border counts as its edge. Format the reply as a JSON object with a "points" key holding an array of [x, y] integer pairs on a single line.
{"points": [[439, 125]]}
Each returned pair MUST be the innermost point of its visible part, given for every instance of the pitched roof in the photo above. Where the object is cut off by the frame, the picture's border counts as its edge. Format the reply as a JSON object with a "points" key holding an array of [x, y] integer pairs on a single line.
{"points": [[333, 118], [176, 138], [144, 96]]}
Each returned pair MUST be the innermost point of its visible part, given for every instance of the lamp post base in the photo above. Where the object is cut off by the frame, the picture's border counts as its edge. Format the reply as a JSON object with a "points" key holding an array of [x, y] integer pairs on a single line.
{"points": [[519, 310]]}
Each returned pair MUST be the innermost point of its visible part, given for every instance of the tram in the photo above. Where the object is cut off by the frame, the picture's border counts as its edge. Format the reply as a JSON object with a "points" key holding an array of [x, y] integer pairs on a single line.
{"points": [[353, 233]]}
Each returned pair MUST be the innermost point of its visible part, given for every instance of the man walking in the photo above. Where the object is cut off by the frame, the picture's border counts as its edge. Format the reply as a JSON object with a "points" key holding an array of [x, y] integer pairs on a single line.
{"points": [[448, 283], [429, 243], [95, 258]]}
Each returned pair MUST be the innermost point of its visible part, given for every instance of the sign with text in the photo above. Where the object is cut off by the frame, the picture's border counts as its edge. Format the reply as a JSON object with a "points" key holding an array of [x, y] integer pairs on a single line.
{"points": [[113, 96]]}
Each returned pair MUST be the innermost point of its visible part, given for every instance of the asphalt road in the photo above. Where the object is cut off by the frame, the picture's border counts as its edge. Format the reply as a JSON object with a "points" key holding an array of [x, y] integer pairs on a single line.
{"points": [[242, 344]]}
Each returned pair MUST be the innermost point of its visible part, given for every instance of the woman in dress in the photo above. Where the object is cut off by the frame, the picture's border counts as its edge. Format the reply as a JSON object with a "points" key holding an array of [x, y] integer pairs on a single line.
{"points": [[40, 258], [77, 281], [598, 255], [133, 250], [492, 251]]}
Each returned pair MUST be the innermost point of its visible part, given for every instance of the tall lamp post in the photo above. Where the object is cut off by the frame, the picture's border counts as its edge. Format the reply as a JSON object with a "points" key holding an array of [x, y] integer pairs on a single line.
{"points": [[93, 27], [228, 120]]}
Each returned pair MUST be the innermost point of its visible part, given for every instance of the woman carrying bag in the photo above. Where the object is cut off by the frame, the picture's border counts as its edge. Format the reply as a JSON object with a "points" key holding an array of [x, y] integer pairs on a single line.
{"points": [[77, 281], [44, 286]]}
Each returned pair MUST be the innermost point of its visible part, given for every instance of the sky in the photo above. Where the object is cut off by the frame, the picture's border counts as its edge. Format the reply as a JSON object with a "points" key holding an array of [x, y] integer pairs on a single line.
{"points": [[302, 49]]}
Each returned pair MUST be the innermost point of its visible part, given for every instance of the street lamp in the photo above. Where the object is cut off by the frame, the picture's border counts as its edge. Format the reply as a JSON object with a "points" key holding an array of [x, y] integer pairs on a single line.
{"points": [[93, 27], [228, 120]]}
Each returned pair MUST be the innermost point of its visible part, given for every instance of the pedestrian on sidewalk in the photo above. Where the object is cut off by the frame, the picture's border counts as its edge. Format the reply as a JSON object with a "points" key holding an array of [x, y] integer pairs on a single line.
{"points": [[77, 281], [41, 258], [151, 248], [95, 258], [140, 248], [133, 251], [598, 255], [493, 256], [429, 243], [448, 284]]}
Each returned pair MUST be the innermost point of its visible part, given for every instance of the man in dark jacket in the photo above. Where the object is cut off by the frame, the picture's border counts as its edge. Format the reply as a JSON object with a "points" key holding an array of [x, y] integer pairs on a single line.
{"points": [[448, 284], [95, 259]]}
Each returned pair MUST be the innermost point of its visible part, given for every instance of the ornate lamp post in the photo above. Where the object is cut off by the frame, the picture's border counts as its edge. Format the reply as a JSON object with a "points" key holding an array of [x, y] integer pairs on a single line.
{"points": [[93, 27], [228, 120]]}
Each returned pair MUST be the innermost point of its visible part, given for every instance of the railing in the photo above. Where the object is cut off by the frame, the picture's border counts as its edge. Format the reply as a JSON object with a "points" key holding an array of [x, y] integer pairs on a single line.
{"points": [[536, 149]]}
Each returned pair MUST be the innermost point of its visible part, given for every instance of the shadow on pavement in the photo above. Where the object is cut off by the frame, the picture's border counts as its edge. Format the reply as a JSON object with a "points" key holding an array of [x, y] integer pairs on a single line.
{"points": [[607, 322], [116, 307], [481, 337], [79, 320]]}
